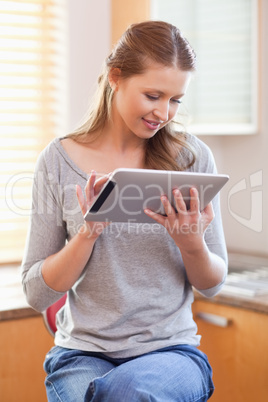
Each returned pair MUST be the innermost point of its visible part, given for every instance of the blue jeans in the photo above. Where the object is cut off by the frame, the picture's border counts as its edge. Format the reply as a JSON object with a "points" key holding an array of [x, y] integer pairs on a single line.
{"points": [[178, 373]]}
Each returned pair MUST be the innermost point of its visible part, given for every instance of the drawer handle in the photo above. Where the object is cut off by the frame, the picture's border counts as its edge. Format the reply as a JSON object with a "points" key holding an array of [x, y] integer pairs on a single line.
{"points": [[214, 319]]}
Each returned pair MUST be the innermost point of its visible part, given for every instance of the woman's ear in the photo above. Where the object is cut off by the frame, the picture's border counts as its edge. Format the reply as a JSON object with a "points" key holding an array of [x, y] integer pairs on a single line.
{"points": [[113, 78]]}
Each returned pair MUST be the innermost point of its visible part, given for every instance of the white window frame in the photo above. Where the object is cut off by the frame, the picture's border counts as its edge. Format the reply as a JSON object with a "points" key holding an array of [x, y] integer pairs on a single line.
{"points": [[253, 126]]}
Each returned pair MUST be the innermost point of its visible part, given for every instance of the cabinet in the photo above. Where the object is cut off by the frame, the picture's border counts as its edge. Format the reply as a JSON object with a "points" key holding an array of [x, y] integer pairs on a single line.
{"points": [[24, 344], [237, 348]]}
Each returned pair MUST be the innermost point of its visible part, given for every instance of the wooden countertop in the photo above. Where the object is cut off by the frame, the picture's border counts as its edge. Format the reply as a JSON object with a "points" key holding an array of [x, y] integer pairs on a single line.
{"points": [[257, 303], [13, 304], [249, 268]]}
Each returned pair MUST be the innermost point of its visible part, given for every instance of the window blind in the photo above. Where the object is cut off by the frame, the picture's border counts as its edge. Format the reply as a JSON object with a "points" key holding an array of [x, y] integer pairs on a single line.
{"points": [[32, 106], [223, 96]]}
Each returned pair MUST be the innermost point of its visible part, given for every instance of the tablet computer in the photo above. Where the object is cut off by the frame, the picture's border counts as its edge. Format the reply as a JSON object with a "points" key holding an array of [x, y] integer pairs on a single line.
{"points": [[128, 192]]}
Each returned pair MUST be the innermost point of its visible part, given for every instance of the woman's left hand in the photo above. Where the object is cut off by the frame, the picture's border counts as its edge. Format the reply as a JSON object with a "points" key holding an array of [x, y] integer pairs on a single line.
{"points": [[186, 227]]}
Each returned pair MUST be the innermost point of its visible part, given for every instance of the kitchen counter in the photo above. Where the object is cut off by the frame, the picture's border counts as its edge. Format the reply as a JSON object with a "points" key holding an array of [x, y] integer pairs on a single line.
{"points": [[13, 304], [256, 303], [246, 285]]}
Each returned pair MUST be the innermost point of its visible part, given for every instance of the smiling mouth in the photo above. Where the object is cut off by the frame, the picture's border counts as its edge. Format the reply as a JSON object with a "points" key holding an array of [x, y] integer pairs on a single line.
{"points": [[152, 125]]}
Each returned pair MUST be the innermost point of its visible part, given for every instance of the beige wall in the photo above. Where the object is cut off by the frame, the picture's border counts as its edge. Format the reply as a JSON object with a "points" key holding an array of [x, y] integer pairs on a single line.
{"points": [[88, 45], [126, 12]]}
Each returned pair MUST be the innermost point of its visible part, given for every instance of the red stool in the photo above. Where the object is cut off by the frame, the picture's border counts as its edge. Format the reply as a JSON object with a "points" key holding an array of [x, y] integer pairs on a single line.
{"points": [[50, 315]]}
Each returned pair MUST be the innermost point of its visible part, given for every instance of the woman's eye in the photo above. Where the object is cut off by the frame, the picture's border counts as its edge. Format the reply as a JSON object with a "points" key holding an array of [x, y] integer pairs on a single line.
{"points": [[151, 97], [155, 98]]}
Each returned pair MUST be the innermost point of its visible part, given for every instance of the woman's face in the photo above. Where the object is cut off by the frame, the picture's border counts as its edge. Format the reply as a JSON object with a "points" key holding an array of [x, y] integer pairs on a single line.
{"points": [[144, 103]]}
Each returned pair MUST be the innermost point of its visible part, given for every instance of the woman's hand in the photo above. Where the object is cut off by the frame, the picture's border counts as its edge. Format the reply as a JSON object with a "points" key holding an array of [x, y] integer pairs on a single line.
{"points": [[186, 227], [92, 189]]}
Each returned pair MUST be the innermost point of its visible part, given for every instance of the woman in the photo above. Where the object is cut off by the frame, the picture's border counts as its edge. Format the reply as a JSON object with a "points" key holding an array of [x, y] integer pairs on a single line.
{"points": [[126, 332]]}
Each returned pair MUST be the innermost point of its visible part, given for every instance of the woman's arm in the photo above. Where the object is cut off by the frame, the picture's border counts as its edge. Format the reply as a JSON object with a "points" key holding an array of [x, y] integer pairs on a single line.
{"points": [[50, 266], [61, 270]]}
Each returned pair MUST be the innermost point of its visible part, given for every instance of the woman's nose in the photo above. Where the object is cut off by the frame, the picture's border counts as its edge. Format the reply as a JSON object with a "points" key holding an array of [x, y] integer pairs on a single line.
{"points": [[162, 112]]}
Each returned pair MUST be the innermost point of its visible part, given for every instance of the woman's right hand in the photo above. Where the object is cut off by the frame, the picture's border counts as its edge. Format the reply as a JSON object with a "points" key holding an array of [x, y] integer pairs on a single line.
{"points": [[93, 187]]}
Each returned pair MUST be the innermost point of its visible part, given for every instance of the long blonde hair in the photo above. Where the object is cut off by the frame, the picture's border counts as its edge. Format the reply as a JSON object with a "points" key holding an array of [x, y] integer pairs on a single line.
{"points": [[162, 43]]}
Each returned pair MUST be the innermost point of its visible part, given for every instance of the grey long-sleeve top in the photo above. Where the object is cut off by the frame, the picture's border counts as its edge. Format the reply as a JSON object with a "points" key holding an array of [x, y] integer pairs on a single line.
{"points": [[133, 295]]}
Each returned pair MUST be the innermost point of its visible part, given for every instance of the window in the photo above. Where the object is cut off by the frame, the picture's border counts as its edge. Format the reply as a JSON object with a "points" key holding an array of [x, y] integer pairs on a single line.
{"points": [[32, 106], [223, 97]]}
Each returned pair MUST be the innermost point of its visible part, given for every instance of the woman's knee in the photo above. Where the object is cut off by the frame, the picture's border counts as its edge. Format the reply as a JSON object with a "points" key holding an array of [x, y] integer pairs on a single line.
{"points": [[156, 378], [120, 387]]}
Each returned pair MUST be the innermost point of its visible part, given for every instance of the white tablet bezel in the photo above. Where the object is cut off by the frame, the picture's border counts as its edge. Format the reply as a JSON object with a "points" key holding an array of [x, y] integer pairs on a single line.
{"points": [[128, 192]]}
